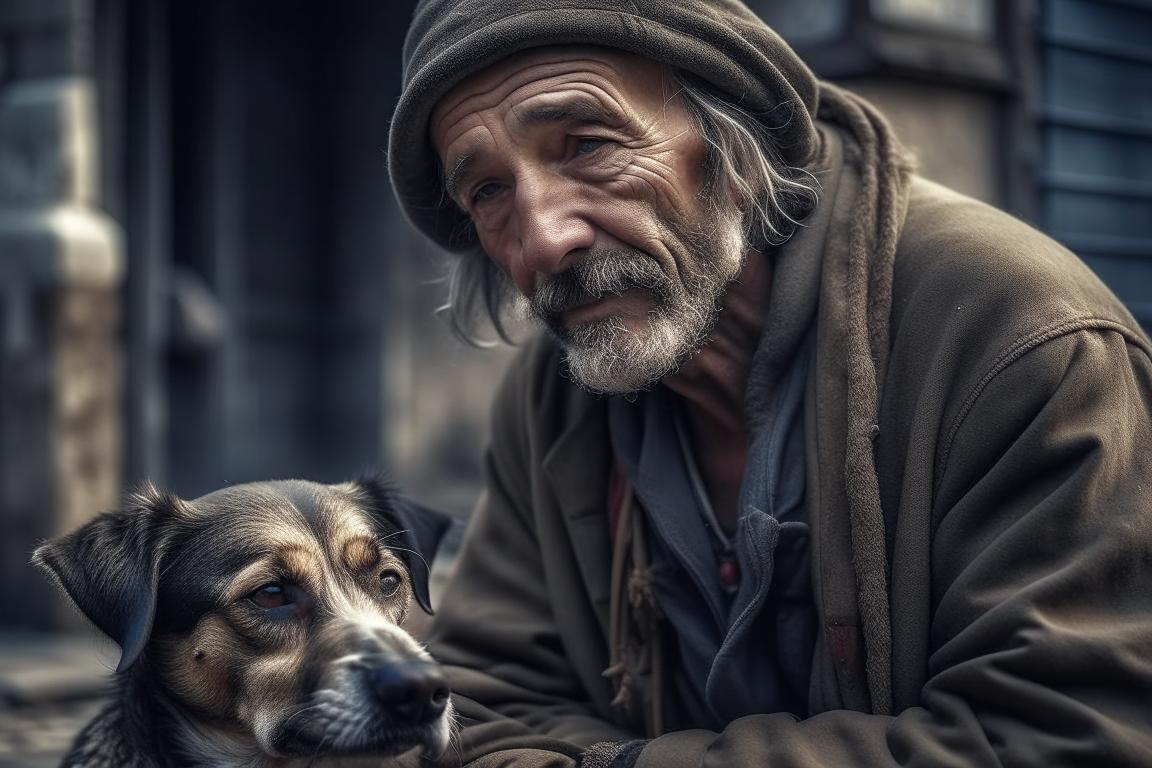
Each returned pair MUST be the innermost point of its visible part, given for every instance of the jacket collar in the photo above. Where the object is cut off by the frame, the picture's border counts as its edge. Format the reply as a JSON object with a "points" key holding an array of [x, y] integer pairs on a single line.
{"points": [[577, 468]]}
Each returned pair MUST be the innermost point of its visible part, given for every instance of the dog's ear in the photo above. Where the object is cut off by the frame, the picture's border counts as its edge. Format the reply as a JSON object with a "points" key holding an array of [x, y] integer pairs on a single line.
{"points": [[110, 567], [425, 528], [419, 530]]}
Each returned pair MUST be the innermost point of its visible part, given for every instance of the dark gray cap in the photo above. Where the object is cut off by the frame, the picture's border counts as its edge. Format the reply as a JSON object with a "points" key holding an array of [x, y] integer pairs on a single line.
{"points": [[719, 41]]}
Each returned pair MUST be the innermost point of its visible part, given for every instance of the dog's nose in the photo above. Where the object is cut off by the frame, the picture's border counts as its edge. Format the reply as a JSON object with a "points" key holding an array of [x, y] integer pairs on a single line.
{"points": [[414, 692]]}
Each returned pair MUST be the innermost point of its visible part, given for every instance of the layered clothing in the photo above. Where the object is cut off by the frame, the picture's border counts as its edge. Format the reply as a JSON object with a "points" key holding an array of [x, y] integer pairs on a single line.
{"points": [[977, 458], [1012, 444]]}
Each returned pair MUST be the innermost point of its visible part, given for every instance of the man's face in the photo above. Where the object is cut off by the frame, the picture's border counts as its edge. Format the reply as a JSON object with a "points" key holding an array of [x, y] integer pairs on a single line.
{"points": [[583, 174]]}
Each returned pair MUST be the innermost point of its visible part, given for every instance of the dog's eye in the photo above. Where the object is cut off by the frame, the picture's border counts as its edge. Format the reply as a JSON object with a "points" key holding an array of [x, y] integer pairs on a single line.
{"points": [[389, 582], [270, 596]]}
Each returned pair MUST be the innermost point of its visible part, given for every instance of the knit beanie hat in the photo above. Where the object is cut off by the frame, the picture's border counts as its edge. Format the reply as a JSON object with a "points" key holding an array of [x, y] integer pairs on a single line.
{"points": [[720, 41]]}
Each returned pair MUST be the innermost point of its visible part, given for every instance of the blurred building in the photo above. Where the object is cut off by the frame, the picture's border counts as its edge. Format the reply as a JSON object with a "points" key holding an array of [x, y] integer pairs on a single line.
{"points": [[204, 278]]}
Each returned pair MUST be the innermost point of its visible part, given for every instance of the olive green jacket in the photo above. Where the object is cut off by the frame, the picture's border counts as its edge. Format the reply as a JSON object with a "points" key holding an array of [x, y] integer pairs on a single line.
{"points": [[1014, 458]]}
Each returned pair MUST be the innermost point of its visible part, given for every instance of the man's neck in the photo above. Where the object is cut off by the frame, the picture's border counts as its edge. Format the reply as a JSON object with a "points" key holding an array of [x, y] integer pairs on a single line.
{"points": [[712, 386]]}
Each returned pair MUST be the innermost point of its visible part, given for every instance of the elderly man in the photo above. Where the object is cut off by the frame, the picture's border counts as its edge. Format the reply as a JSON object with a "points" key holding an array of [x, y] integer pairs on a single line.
{"points": [[874, 484]]}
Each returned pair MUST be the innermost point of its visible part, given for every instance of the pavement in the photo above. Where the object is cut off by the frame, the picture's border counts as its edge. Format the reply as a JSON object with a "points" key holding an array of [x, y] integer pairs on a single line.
{"points": [[50, 686]]}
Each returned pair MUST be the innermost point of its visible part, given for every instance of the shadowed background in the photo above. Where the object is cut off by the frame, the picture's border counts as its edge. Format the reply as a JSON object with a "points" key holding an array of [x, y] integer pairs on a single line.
{"points": [[204, 278]]}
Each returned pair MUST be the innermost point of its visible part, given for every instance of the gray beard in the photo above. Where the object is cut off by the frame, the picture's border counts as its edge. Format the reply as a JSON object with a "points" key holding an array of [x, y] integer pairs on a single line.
{"points": [[604, 355]]}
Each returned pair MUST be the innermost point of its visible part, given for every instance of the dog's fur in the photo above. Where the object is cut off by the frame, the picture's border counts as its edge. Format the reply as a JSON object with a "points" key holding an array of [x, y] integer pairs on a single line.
{"points": [[210, 674]]}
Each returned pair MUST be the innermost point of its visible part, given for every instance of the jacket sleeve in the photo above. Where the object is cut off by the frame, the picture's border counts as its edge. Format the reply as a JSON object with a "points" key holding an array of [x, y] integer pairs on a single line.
{"points": [[518, 701], [1041, 635]]}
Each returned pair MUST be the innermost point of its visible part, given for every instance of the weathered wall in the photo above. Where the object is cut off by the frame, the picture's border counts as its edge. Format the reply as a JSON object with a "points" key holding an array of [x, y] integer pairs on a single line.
{"points": [[60, 268], [952, 131]]}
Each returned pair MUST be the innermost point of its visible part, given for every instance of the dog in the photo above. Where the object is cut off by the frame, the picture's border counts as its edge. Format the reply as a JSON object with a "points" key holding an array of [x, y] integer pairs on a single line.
{"points": [[259, 626]]}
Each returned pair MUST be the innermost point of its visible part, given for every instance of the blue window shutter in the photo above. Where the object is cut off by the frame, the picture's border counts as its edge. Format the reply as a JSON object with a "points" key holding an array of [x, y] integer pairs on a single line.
{"points": [[1096, 123]]}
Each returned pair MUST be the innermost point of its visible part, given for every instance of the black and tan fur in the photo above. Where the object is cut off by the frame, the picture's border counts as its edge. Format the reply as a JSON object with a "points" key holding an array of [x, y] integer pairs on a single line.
{"points": [[257, 629]]}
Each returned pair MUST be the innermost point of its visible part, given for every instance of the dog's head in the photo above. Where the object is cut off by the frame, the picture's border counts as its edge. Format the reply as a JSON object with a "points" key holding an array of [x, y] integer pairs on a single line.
{"points": [[270, 611]]}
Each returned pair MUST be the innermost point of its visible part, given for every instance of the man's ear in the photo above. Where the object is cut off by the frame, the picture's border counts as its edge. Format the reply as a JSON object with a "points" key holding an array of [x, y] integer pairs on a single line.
{"points": [[110, 568], [420, 530]]}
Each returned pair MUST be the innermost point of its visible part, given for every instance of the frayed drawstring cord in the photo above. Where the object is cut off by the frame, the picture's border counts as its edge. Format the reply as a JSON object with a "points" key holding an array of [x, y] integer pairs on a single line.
{"points": [[635, 638]]}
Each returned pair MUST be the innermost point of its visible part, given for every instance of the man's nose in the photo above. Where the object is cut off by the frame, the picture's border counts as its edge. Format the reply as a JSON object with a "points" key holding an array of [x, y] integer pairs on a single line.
{"points": [[552, 225]]}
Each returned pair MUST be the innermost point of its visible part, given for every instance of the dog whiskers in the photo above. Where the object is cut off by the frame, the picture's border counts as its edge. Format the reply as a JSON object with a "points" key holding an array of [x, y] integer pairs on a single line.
{"points": [[405, 549], [304, 710]]}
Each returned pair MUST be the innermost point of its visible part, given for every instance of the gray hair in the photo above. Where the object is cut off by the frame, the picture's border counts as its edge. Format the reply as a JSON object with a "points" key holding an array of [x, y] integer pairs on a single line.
{"points": [[742, 164]]}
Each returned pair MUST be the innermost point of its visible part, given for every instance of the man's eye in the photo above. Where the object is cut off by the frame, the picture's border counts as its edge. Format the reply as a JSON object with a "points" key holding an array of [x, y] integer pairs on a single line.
{"points": [[486, 191], [270, 596], [586, 145]]}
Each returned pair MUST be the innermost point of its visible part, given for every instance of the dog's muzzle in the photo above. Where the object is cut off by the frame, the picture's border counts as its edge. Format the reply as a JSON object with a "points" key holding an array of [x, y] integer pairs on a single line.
{"points": [[383, 696]]}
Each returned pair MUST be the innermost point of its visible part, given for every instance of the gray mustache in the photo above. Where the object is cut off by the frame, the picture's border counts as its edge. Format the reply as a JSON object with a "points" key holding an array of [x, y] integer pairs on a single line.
{"points": [[602, 272]]}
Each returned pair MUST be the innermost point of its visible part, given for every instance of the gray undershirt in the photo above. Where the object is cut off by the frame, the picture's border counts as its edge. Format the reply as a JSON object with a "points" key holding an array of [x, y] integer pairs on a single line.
{"points": [[735, 651]]}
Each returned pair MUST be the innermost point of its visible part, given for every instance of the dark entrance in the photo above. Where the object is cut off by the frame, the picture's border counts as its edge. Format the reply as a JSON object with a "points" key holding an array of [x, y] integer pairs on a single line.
{"points": [[246, 162]]}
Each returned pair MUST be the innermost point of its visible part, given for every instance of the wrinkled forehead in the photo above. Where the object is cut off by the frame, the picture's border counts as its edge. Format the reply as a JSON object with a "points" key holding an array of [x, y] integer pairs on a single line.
{"points": [[620, 81]]}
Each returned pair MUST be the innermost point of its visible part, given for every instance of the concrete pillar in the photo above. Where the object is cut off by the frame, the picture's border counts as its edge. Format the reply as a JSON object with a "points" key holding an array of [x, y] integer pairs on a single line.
{"points": [[60, 270], [954, 132]]}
